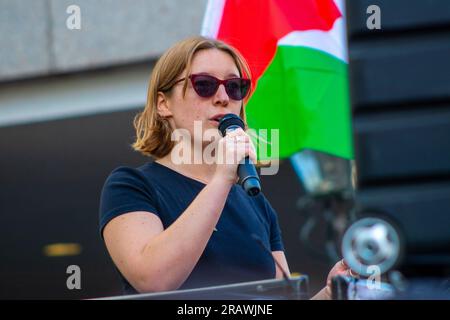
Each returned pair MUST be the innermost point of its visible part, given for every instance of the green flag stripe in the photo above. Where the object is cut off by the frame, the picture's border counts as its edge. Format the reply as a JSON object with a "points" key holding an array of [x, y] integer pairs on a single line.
{"points": [[304, 94]]}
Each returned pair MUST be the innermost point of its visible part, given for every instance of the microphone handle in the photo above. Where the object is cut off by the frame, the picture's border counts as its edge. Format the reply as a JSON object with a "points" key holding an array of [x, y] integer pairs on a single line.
{"points": [[248, 177]]}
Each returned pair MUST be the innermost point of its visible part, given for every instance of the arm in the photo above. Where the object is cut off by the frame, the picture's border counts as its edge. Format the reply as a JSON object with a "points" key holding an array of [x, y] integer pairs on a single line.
{"points": [[340, 268], [143, 251], [153, 259], [323, 294], [280, 257]]}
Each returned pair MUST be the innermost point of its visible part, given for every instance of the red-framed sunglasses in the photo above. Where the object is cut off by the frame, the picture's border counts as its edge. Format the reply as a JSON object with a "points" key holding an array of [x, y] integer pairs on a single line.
{"points": [[206, 86]]}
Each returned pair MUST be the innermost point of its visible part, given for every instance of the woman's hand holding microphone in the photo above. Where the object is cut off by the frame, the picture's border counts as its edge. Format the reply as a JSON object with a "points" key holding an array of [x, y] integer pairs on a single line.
{"points": [[231, 150]]}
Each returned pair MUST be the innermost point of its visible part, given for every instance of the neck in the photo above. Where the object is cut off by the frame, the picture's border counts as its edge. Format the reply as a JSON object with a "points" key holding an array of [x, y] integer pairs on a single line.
{"points": [[202, 172]]}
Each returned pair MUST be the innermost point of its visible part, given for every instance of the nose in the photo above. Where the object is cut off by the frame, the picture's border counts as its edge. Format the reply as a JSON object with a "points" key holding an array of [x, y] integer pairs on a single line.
{"points": [[221, 97]]}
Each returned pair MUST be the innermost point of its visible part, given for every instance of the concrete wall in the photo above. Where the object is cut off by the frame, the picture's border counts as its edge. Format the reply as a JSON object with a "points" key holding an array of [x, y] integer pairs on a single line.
{"points": [[106, 64], [35, 40]]}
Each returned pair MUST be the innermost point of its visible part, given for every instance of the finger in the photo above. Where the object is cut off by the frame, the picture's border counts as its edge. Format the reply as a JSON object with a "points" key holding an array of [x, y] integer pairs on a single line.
{"points": [[250, 152], [233, 139], [352, 274], [230, 141], [251, 142], [240, 131], [252, 156], [245, 149], [242, 136], [236, 132]]}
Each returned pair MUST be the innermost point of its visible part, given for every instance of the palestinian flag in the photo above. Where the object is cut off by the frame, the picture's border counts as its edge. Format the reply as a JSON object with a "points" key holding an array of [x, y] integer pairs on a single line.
{"points": [[297, 54]]}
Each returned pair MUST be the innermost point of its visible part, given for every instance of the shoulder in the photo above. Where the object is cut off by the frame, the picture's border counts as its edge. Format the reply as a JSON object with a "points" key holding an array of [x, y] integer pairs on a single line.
{"points": [[124, 182], [126, 189], [127, 185], [124, 174]]}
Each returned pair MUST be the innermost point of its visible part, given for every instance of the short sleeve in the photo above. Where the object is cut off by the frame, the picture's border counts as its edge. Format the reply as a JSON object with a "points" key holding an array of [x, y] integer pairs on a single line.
{"points": [[276, 242], [125, 190]]}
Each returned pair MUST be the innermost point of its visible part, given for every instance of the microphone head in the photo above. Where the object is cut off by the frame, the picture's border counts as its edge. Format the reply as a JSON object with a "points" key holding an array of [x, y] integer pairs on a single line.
{"points": [[229, 120]]}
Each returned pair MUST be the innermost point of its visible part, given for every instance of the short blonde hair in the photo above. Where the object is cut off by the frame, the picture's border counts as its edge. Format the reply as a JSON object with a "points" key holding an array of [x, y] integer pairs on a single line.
{"points": [[152, 131]]}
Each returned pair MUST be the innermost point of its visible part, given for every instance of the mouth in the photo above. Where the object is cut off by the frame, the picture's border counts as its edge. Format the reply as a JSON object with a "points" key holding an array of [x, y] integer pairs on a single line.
{"points": [[217, 117], [214, 123]]}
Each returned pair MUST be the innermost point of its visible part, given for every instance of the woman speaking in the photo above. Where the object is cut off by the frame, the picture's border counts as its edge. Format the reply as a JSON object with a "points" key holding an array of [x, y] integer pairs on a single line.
{"points": [[172, 224]]}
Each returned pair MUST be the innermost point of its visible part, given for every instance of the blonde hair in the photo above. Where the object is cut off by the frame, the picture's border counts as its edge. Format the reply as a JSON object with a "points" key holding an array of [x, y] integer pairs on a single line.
{"points": [[153, 132]]}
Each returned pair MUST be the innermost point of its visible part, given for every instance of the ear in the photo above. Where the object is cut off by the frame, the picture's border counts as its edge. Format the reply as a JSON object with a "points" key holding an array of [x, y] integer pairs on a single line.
{"points": [[163, 106]]}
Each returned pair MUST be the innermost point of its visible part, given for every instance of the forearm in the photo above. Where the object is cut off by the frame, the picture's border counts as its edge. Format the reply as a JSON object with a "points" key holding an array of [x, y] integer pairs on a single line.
{"points": [[169, 258], [322, 295]]}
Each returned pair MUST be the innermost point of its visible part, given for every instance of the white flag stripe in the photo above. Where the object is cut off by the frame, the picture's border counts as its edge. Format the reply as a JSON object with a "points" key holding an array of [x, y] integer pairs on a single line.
{"points": [[212, 18], [341, 6], [332, 42]]}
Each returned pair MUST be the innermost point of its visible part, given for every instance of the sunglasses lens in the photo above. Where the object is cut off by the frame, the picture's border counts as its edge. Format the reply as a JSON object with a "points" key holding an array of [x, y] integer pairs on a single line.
{"points": [[237, 88], [205, 86]]}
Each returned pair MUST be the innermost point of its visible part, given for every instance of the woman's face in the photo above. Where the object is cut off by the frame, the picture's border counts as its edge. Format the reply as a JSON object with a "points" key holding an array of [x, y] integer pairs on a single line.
{"points": [[184, 111]]}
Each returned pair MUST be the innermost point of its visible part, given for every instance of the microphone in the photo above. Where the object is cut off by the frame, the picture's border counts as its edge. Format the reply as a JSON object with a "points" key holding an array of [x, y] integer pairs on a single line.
{"points": [[248, 177]]}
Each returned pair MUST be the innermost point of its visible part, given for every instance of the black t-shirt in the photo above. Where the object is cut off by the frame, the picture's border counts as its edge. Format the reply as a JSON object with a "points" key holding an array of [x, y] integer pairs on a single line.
{"points": [[231, 255]]}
